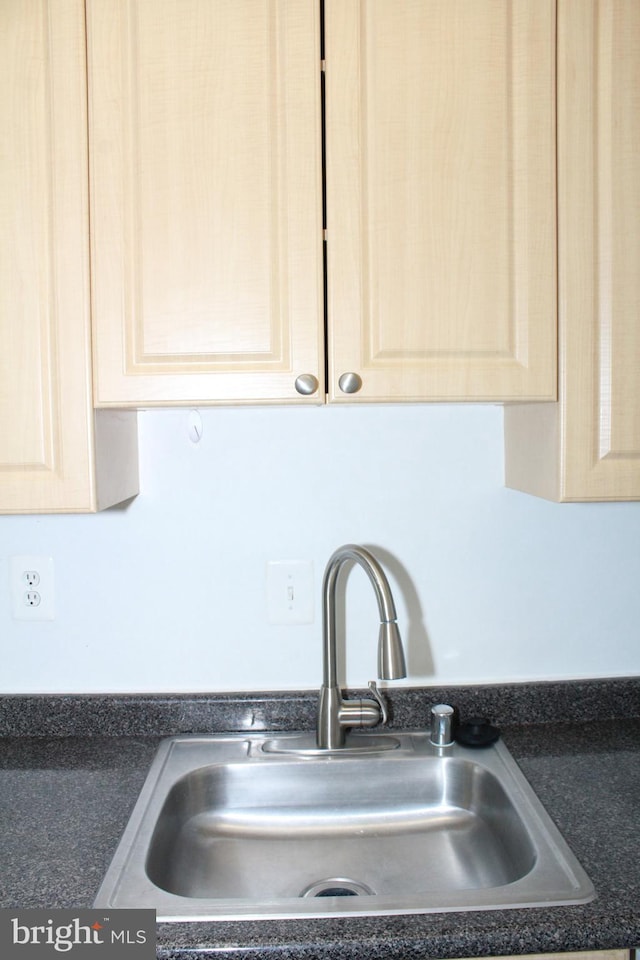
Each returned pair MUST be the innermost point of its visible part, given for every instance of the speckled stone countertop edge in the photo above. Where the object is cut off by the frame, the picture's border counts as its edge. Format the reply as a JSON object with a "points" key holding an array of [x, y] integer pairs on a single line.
{"points": [[122, 715]]}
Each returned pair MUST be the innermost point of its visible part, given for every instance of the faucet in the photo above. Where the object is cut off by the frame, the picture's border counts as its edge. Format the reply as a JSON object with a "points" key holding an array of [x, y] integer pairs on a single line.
{"points": [[334, 713]]}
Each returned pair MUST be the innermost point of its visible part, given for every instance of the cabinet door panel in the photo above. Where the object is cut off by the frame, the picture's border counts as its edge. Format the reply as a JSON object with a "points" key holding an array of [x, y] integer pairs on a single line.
{"points": [[600, 274], [587, 447], [29, 259], [441, 197], [206, 198], [45, 413]]}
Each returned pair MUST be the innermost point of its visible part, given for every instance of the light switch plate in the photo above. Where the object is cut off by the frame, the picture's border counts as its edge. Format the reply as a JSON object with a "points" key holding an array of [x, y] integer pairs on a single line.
{"points": [[290, 591]]}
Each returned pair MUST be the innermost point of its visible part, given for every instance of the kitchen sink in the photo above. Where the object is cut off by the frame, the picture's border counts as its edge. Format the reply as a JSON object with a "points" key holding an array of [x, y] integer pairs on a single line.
{"points": [[248, 827]]}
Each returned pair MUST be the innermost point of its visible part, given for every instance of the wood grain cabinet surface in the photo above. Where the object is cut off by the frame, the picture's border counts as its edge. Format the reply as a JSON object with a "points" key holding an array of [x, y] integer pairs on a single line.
{"points": [[207, 200], [393, 227], [587, 446], [440, 120], [56, 455], [206, 177]]}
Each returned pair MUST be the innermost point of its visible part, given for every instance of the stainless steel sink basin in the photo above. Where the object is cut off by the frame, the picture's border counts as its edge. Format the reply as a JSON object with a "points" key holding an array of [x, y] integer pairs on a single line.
{"points": [[234, 827]]}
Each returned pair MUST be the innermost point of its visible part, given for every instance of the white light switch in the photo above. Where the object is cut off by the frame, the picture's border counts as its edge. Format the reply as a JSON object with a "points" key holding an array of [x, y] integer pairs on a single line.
{"points": [[290, 591]]}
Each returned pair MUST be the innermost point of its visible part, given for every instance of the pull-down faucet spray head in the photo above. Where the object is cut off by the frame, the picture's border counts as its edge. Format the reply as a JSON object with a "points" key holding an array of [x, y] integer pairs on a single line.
{"points": [[391, 665]]}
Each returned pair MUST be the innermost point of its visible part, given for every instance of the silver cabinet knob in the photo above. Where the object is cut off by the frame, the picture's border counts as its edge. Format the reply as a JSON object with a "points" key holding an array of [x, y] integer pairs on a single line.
{"points": [[350, 382], [306, 384]]}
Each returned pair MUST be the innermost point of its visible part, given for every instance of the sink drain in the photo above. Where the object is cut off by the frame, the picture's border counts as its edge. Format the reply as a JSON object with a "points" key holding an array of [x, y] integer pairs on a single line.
{"points": [[338, 887]]}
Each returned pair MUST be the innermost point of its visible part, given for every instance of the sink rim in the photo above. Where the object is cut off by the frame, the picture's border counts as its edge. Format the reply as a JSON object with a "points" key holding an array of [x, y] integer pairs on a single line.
{"points": [[557, 878]]}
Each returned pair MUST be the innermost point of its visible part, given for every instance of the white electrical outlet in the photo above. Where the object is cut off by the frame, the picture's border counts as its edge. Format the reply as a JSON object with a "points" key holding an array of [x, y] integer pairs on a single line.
{"points": [[290, 591], [31, 584]]}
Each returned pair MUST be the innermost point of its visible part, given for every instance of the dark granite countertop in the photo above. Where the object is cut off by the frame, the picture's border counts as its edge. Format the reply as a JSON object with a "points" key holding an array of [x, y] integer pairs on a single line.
{"points": [[71, 769]]}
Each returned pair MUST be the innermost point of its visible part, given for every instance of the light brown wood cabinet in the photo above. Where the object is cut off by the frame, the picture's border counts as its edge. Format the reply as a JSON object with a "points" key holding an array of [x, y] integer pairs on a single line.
{"points": [[218, 220], [55, 453], [587, 446], [440, 138], [206, 175], [207, 200]]}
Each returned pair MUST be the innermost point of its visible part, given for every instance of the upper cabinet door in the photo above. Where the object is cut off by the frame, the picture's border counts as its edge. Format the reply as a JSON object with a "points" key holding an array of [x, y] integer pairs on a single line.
{"points": [[441, 218], [206, 200], [54, 455], [599, 225], [587, 446]]}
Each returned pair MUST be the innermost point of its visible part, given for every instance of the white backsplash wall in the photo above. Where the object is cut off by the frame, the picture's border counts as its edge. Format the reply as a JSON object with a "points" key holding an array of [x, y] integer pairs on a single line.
{"points": [[169, 594]]}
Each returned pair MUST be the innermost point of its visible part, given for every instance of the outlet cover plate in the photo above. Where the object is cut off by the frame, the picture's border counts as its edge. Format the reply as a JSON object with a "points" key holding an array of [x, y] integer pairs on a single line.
{"points": [[31, 584]]}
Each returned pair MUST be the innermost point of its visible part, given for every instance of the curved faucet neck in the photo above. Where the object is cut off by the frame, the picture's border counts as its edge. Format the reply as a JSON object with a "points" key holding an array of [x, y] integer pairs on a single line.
{"points": [[386, 606]]}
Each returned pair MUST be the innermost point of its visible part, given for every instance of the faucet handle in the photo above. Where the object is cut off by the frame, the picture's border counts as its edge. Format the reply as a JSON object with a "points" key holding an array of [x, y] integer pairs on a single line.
{"points": [[377, 696]]}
